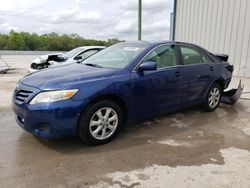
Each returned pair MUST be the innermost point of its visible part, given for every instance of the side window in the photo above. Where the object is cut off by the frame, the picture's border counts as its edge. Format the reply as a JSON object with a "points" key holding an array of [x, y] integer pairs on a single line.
{"points": [[192, 55], [164, 56], [88, 53], [205, 59]]}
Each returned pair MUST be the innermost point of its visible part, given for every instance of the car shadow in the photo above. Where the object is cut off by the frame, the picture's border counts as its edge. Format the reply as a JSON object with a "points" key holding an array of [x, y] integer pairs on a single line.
{"points": [[143, 132], [187, 137]]}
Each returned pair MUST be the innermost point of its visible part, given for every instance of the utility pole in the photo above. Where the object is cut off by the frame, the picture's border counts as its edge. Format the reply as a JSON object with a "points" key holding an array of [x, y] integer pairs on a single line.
{"points": [[139, 18]]}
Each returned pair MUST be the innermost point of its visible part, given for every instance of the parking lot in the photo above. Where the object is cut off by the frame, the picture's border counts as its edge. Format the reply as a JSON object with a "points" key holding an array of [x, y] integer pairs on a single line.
{"points": [[189, 148]]}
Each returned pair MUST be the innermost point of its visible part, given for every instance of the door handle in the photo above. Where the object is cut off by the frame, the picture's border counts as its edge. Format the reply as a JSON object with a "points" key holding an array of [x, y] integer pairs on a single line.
{"points": [[211, 68], [177, 73]]}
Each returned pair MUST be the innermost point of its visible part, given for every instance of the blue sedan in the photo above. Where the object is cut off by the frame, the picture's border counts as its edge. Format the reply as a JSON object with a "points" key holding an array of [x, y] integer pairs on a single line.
{"points": [[124, 82]]}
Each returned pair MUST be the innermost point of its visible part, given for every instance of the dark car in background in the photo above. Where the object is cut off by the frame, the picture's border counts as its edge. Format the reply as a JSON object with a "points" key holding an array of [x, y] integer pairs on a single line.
{"points": [[58, 59], [124, 82]]}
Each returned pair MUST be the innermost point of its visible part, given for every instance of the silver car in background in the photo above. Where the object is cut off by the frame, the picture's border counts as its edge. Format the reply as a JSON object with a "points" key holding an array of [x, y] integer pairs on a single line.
{"points": [[58, 59]]}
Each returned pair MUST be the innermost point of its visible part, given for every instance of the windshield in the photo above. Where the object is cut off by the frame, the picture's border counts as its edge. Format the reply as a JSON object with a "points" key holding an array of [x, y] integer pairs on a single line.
{"points": [[72, 53], [116, 56]]}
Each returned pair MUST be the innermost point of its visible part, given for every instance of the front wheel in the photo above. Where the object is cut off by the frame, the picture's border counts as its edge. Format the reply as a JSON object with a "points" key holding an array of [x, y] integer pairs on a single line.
{"points": [[213, 97], [100, 123]]}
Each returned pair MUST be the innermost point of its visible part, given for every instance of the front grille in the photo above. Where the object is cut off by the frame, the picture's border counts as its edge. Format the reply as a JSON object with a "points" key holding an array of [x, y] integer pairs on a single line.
{"points": [[21, 95]]}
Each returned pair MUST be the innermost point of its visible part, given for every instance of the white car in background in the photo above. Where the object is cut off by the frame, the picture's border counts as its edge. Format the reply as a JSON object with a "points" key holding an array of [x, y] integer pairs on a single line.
{"points": [[58, 59]]}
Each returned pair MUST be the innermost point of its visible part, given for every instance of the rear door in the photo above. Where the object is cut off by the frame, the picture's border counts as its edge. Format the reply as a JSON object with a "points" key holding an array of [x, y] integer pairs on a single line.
{"points": [[198, 72], [161, 89]]}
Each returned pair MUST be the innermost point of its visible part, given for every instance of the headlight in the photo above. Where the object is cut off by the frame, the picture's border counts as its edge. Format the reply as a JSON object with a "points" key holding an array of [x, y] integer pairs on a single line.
{"points": [[53, 96]]}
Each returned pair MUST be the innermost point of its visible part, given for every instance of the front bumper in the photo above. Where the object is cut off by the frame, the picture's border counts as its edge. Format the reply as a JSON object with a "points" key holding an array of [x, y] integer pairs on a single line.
{"points": [[48, 120]]}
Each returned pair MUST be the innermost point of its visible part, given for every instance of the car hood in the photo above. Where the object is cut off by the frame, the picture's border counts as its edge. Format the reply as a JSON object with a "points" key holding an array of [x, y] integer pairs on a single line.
{"points": [[56, 64], [64, 76]]}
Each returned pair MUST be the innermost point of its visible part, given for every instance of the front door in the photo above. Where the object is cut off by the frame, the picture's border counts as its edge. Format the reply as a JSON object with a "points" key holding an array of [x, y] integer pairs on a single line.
{"points": [[159, 90]]}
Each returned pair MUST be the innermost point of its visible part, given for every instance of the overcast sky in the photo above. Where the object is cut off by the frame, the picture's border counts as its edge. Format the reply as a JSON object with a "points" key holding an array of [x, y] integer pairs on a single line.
{"points": [[99, 19]]}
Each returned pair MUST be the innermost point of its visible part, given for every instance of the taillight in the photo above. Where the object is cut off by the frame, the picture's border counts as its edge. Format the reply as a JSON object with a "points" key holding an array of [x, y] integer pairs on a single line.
{"points": [[230, 68]]}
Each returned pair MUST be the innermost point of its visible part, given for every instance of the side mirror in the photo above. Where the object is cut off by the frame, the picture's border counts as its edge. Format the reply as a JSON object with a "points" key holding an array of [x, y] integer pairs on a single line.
{"points": [[78, 58], [147, 66]]}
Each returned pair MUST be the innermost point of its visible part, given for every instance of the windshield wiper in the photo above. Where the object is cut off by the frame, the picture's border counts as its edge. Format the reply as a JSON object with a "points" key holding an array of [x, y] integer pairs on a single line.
{"points": [[93, 65]]}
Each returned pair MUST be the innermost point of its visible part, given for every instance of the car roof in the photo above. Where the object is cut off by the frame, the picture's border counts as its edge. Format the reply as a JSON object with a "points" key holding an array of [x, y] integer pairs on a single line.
{"points": [[91, 47], [159, 42]]}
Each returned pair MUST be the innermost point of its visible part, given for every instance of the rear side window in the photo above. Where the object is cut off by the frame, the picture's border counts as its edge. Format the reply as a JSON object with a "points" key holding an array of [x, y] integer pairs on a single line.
{"points": [[163, 56], [192, 55]]}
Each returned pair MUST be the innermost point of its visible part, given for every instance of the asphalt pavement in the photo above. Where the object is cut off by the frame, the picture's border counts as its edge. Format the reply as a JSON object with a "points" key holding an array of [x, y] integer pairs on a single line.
{"points": [[188, 148]]}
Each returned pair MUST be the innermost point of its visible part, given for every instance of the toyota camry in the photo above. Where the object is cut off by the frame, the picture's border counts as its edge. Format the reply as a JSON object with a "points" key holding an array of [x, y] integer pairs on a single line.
{"points": [[124, 82]]}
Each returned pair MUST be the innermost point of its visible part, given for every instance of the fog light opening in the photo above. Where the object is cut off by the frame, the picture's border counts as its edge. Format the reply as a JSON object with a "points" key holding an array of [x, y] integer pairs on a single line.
{"points": [[43, 127], [20, 119]]}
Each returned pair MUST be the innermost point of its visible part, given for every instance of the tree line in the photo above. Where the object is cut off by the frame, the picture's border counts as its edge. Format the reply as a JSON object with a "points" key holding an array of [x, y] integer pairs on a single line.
{"points": [[47, 42]]}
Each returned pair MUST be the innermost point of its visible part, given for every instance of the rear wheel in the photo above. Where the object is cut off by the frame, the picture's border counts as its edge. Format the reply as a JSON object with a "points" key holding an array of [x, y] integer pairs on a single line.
{"points": [[101, 123], [213, 97]]}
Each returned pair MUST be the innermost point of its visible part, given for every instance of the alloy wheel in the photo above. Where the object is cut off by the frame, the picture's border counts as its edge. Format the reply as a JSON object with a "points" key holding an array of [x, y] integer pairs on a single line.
{"points": [[103, 123], [214, 97]]}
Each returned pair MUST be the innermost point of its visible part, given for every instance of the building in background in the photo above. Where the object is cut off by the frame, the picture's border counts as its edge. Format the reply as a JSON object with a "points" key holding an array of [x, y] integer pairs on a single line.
{"points": [[221, 26]]}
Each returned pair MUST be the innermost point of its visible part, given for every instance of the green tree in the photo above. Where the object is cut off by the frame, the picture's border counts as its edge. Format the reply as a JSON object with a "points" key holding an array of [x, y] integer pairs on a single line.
{"points": [[50, 41], [16, 41], [3, 41]]}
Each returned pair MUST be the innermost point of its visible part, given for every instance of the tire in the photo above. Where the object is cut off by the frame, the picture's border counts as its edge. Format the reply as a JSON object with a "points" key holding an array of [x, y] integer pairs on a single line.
{"points": [[213, 98], [96, 127]]}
